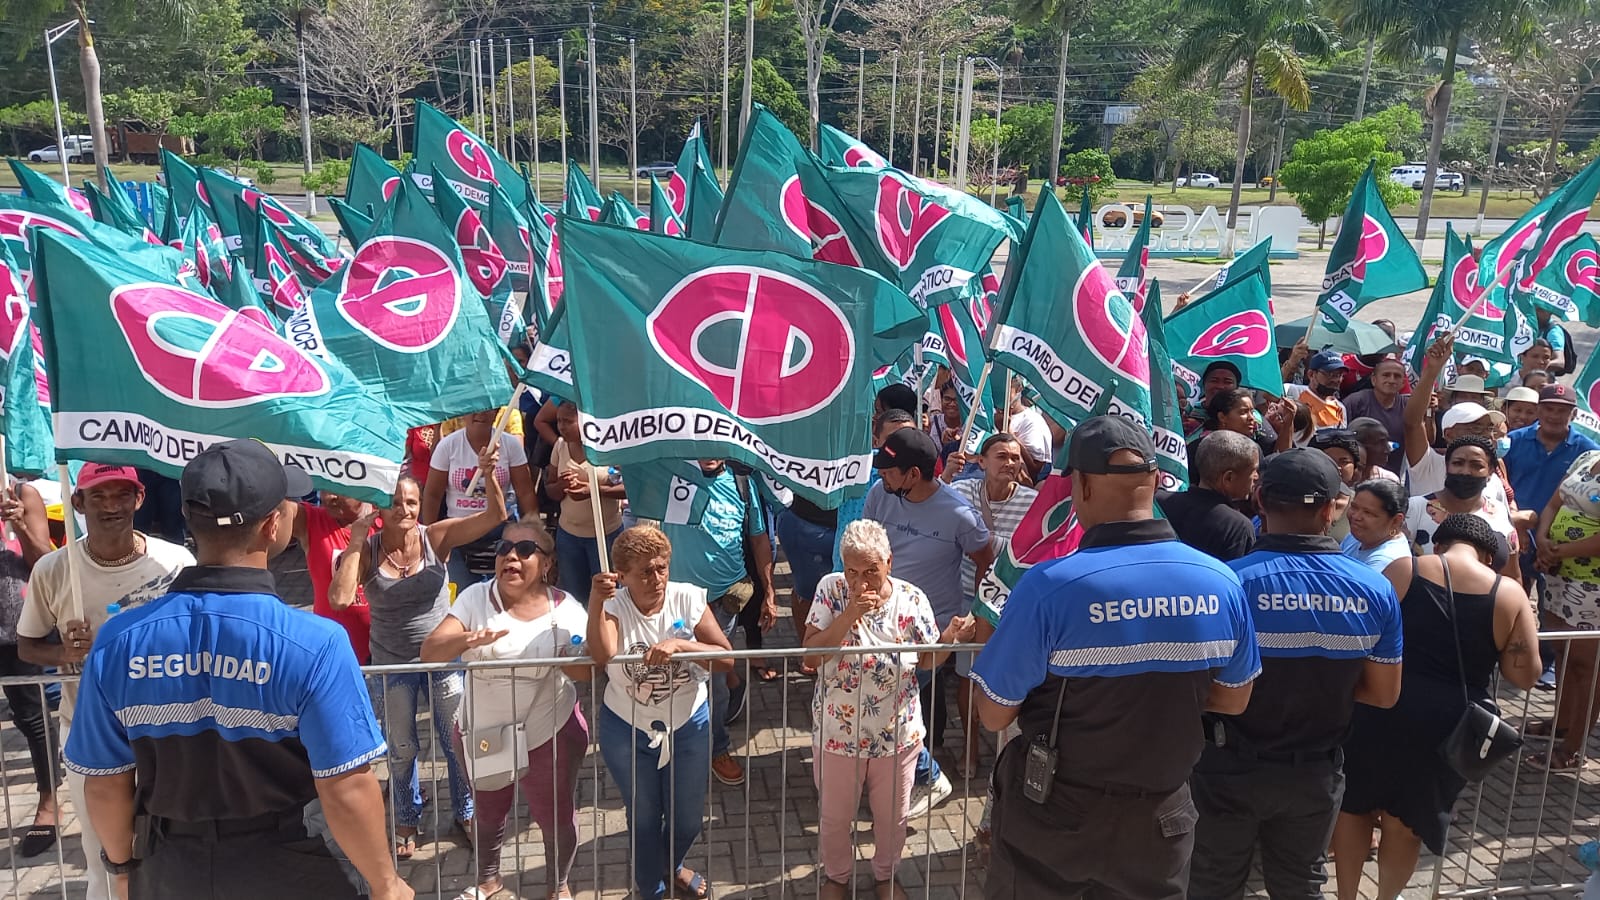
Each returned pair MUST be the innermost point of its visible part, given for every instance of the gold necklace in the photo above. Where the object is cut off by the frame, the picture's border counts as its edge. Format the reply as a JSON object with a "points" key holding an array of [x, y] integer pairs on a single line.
{"points": [[135, 553]]}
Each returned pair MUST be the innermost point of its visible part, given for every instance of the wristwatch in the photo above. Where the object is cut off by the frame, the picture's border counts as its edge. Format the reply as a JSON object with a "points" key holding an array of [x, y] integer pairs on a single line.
{"points": [[115, 868]]}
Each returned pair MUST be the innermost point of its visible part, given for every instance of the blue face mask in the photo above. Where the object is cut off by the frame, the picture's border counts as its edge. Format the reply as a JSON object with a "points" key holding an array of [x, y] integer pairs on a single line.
{"points": [[1502, 445]]}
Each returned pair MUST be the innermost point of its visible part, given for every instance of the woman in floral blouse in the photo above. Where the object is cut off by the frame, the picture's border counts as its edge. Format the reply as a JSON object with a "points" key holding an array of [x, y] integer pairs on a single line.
{"points": [[866, 709]]}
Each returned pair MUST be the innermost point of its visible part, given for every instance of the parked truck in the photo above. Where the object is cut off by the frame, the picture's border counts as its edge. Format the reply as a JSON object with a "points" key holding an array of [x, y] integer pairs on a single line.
{"points": [[145, 147]]}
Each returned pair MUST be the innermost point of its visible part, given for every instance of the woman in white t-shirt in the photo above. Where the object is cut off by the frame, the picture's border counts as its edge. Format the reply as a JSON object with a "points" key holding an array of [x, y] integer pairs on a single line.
{"points": [[1469, 464], [867, 711], [655, 723], [518, 615], [450, 471]]}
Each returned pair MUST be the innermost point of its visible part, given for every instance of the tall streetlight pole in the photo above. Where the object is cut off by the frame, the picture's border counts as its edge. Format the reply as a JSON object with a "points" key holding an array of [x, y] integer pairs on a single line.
{"points": [[633, 117], [51, 35], [494, 99], [861, 86], [999, 104], [938, 119], [594, 106]]}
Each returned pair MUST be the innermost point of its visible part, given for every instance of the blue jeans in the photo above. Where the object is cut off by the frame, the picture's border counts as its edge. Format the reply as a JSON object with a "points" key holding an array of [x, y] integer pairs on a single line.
{"points": [[396, 698], [809, 550], [665, 806], [578, 561], [927, 767], [720, 742]]}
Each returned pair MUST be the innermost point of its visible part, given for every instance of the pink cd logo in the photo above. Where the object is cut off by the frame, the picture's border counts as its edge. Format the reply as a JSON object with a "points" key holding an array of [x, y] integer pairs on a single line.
{"points": [[792, 201], [79, 202], [401, 292], [860, 156], [1373, 248], [200, 353], [1555, 239], [554, 282], [1583, 271], [1593, 395], [1466, 293], [14, 225], [469, 156], [287, 292], [905, 219], [830, 240], [486, 264], [1246, 333], [268, 207], [1111, 329], [677, 193], [1049, 529], [13, 311], [768, 347]]}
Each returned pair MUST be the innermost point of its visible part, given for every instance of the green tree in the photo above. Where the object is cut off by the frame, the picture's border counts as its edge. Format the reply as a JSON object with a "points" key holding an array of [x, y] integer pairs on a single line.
{"points": [[1088, 171], [1410, 30], [1269, 38], [152, 109], [37, 117], [1061, 16], [36, 15], [343, 131], [1175, 124], [1323, 169], [1034, 124], [242, 122], [773, 91]]}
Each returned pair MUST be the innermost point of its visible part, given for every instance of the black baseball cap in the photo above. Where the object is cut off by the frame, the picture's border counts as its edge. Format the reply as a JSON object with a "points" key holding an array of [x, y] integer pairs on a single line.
{"points": [[908, 448], [1094, 441], [1223, 364], [238, 482], [1301, 476]]}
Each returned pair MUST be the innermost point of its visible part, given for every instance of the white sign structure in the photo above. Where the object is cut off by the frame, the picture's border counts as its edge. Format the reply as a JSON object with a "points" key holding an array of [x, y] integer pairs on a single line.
{"points": [[1182, 230]]}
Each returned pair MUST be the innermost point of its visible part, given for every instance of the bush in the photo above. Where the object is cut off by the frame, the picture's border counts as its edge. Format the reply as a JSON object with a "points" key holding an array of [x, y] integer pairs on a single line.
{"points": [[329, 178], [1088, 171]]}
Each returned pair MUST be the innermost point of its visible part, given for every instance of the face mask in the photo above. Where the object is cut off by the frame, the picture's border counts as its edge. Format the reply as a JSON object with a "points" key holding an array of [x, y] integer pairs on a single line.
{"points": [[1502, 446], [1465, 487], [1324, 391]]}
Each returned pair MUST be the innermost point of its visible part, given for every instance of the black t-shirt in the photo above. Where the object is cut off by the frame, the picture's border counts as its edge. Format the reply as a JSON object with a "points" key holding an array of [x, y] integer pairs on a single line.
{"points": [[1203, 519]]}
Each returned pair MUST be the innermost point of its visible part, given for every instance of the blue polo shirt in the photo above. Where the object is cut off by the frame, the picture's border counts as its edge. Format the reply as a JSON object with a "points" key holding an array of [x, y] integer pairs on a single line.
{"points": [[1536, 473], [1319, 617], [223, 700], [1126, 635]]}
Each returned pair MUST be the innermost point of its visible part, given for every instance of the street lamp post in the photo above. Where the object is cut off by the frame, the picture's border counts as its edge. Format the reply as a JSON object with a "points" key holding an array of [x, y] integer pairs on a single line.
{"points": [[51, 35]]}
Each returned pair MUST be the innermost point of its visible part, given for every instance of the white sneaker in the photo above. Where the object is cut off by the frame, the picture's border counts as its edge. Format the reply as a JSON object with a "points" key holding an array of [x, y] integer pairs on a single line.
{"points": [[928, 796]]}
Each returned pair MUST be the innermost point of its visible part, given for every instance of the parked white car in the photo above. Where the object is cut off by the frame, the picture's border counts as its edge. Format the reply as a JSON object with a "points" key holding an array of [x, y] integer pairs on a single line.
{"points": [[79, 148], [1411, 175], [1200, 180]]}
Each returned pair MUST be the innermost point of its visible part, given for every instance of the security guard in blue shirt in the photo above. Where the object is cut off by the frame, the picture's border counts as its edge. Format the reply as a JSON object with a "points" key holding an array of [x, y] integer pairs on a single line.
{"points": [[1329, 631], [210, 720], [1108, 657]]}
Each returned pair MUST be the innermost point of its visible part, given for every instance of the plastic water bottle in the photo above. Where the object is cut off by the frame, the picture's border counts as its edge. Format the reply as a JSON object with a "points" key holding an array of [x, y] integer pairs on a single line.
{"points": [[113, 608], [1589, 855], [680, 630], [576, 647]]}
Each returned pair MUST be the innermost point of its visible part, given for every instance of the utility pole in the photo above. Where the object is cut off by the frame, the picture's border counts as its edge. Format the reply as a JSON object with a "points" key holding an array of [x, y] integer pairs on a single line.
{"points": [[727, 78], [916, 120], [938, 119], [561, 81], [533, 102], [894, 87], [1494, 154], [861, 86], [745, 97], [1277, 150], [305, 105], [477, 95], [594, 105], [1366, 74], [633, 117], [999, 104], [511, 111]]}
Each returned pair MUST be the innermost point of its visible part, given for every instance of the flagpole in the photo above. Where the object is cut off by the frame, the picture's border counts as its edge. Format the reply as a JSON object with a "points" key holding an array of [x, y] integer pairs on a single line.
{"points": [[599, 520], [561, 82], [633, 117], [494, 99], [533, 101], [977, 401], [938, 120], [916, 119], [69, 524], [511, 110], [861, 86], [5, 484], [500, 423], [894, 88]]}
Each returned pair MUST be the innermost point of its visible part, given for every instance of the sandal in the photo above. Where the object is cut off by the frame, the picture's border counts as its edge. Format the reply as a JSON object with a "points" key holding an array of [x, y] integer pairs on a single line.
{"points": [[477, 893], [405, 845], [1541, 728], [695, 884], [36, 840], [767, 673], [1557, 761]]}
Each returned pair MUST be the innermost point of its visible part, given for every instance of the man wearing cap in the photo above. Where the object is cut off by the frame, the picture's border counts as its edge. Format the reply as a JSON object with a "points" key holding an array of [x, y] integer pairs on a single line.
{"points": [[211, 719], [1224, 471], [1425, 468], [1329, 630], [1521, 406], [116, 565], [1218, 376], [1382, 401], [1106, 659], [1542, 453], [1324, 375], [931, 527]]}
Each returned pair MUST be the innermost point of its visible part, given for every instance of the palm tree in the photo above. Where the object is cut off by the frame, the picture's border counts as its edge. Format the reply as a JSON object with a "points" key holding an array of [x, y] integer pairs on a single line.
{"points": [[37, 14], [1267, 38], [1407, 30], [1062, 16]]}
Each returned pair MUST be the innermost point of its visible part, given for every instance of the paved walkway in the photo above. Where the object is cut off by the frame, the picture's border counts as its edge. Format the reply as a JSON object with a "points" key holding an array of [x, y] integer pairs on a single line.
{"points": [[760, 838]]}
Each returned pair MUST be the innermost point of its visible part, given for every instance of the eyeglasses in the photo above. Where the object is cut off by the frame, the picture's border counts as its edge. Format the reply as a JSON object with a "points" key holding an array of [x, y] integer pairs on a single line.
{"points": [[1334, 434], [523, 549]]}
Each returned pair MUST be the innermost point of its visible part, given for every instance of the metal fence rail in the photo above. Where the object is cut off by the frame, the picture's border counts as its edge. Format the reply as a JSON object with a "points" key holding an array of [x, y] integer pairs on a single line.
{"points": [[1514, 835]]}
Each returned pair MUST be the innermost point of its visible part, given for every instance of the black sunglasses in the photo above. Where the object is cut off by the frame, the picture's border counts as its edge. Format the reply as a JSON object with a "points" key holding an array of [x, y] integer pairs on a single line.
{"points": [[523, 549]]}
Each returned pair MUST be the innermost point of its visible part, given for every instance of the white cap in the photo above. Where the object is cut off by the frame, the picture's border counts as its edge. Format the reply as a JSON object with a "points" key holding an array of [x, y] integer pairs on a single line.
{"points": [[1461, 414], [1522, 395]]}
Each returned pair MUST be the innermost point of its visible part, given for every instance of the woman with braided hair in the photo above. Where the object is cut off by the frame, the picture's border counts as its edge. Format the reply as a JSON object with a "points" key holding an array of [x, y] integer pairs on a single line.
{"points": [[1470, 462], [1392, 765]]}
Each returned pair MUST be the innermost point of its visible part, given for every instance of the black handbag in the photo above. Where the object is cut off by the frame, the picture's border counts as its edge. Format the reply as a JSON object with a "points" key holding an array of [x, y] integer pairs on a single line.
{"points": [[1481, 739]]}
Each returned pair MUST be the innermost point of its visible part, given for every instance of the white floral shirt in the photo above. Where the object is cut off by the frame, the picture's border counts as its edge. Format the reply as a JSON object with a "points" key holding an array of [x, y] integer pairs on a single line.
{"points": [[867, 704]]}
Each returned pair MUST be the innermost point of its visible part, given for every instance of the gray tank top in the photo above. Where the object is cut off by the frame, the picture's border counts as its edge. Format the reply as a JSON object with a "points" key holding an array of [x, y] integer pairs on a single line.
{"points": [[405, 610]]}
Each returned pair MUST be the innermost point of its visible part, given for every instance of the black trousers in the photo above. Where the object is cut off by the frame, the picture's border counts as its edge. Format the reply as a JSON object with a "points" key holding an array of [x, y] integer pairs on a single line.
{"points": [[1286, 809], [202, 861], [1086, 842], [32, 719]]}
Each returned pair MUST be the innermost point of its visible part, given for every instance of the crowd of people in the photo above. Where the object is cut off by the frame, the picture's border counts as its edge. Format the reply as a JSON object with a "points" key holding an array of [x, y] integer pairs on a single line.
{"points": [[1212, 681]]}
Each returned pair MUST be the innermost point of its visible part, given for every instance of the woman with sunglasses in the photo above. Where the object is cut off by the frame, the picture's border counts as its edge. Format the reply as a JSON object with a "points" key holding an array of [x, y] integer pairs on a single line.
{"points": [[655, 723], [403, 569], [519, 615]]}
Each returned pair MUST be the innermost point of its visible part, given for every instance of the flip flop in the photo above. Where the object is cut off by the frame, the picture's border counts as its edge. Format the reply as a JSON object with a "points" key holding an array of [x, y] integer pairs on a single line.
{"points": [[405, 846], [1556, 761], [36, 840], [767, 673]]}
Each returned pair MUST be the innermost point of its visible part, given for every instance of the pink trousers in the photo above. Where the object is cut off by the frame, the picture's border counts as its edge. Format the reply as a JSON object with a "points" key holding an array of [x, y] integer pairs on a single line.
{"points": [[839, 781]]}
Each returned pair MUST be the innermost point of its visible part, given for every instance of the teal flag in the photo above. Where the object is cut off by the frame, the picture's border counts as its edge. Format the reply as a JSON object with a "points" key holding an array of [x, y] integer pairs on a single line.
{"points": [[514, 236], [44, 189], [1569, 285], [1018, 208], [371, 183], [619, 210], [145, 373], [1371, 259], [1587, 387], [1065, 327], [404, 317], [546, 260], [279, 284], [960, 327], [582, 198], [202, 241], [705, 203], [694, 155], [238, 292], [842, 149], [747, 355], [25, 403], [1485, 330], [468, 162], [222, 195], [21, 218], [927, 238], [353, 224], [485, 262], [765, 207], [662, 219], [183, 190], [117, 210], [1561, 225], [1166, 418], [669, 491], [1131, 275], [1085, 217], [1254, 260], [1233, 325]]}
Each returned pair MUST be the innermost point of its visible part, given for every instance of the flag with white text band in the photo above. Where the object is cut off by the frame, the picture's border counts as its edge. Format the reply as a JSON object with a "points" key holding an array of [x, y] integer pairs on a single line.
{"points": [[1232, 325]]}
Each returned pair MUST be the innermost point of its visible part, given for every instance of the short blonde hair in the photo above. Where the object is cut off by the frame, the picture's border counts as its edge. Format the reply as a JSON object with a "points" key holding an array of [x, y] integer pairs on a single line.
{"points": [[639, 544], [865, 537]]}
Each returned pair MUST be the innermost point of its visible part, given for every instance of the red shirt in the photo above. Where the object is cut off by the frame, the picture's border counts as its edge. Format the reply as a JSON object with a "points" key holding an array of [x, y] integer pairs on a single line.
{"points": [[419, 443], [325, 540]]}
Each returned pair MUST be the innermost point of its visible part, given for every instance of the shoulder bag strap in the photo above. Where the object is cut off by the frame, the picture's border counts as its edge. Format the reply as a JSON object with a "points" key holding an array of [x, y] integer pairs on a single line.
{"points": [[1061, 699], [1449, 607]]}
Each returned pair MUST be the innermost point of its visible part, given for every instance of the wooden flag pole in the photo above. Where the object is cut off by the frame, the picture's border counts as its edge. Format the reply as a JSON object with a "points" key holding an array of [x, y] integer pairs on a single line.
{"points": [[500, 423], [977, 400], [69, 524], [599, 521], [5, 484]]}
